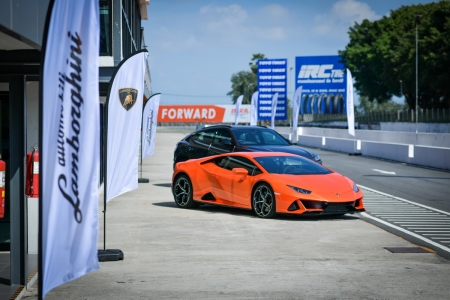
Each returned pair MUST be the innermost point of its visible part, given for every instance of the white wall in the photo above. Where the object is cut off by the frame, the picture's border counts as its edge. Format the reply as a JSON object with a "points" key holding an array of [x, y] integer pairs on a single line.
{"points": [[425, 149], [424, 139]]}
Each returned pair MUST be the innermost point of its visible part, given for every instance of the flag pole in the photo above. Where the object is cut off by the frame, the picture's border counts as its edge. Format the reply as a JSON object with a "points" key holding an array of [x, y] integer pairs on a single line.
{"points": [[110, 254], [107, 254], [140, 179], [41, 130]]}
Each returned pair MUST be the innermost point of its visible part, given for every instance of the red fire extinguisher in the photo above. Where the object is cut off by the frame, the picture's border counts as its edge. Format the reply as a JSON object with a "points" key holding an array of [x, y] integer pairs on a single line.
{"points": [[32, 186], [2, 187]]}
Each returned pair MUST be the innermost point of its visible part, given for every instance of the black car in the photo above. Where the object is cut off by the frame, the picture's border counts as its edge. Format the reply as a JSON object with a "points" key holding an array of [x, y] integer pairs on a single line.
{"points": [[221, 139]]}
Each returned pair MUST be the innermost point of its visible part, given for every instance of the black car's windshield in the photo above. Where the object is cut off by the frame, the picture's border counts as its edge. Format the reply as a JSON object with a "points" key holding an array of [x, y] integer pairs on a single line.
{"points": [[295, 165], [259, 137]]}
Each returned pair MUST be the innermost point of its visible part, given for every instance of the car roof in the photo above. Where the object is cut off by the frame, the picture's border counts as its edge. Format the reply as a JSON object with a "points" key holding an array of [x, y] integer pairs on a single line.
{"points": [[257, 154], [235, 127]]}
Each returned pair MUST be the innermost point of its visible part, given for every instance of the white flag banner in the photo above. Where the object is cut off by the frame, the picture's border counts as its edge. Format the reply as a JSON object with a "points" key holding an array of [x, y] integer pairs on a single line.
{"points": [[124, 102], [296, 108], [274, 110], [238, 108], [350, 109], [70, 149], [254, 109], [149, 123]]}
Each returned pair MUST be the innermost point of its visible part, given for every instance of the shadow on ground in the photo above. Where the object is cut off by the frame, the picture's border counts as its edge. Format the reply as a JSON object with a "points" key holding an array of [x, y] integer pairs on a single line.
{"points": [[163, 184], [217, 209]]}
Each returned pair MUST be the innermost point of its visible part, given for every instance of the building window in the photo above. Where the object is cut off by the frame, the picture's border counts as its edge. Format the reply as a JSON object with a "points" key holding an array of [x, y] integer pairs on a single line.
{"points": [[105, 28], [131, 27]]}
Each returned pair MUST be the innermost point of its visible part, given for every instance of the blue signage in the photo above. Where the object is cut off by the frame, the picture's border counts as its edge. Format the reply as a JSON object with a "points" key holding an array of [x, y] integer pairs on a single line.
{"points": [[272, 78], [323, 84]]}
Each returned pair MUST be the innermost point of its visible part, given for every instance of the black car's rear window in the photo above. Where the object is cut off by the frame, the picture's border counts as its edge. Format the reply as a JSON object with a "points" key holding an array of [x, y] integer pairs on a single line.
{"points": [[258, 136], [295, 165]]}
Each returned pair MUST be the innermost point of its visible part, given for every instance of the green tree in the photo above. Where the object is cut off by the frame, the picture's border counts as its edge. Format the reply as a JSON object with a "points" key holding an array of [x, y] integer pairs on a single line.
{"points": [[245, 82], [382, 53], [365, 106]]}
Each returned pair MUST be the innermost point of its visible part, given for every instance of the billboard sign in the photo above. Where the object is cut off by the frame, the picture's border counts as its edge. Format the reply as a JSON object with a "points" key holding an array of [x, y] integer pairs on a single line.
{"points": [[272, 78], [203, 114], [323, 82]]}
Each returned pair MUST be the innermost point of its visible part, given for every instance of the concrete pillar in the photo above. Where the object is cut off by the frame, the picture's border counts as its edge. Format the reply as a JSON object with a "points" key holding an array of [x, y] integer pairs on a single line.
{"points": [[17, 129]]}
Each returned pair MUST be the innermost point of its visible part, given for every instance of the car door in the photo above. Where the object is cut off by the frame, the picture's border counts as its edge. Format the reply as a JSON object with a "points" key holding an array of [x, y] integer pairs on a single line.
{"points": [[232, 187], [200, 143], [222, 142]]}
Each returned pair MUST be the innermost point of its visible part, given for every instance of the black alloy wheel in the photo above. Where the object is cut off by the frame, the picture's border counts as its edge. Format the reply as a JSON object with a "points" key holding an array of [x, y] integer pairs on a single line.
{"points": [[182, 192], [263, 201]]}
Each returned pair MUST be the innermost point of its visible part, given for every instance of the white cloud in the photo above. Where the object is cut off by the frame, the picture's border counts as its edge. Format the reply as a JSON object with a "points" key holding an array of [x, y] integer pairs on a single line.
{"points": [[223, 18], [353, 11], [174, 41], [272, 33], [234, 24], [343, 15], [274, 13]]}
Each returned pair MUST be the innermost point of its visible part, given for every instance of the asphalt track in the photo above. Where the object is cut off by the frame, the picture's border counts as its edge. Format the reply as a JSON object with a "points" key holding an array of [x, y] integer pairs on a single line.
{"points": [[224, 253], [407, 200]]}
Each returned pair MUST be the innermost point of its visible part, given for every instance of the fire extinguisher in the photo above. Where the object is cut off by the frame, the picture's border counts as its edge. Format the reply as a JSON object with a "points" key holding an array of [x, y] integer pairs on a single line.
{"points": [[32, 186], [2, 187]]}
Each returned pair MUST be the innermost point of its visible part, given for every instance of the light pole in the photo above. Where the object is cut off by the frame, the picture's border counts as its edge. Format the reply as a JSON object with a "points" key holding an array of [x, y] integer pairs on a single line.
{"points": [[401, 88], [292, 99], [417, 76]]}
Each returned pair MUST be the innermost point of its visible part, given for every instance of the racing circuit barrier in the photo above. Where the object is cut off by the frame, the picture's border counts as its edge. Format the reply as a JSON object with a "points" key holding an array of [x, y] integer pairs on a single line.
{"points": [[423, 149]]}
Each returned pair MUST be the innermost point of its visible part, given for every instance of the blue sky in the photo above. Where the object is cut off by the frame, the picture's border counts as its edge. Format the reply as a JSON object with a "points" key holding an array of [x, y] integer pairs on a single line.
{"points": [[196, 45]]}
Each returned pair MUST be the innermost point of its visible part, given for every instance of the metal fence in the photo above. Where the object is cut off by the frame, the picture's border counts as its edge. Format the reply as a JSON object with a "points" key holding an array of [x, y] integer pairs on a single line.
{"points": [[424, 116]]}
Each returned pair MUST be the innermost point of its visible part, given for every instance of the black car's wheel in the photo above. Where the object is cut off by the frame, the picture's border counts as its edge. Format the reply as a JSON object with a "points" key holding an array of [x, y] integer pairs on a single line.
{"points": [[263, 201], [182, 192]]}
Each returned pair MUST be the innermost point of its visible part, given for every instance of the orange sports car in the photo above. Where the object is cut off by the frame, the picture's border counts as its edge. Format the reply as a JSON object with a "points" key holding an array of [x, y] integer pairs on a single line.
{"points": [[266, 182]]}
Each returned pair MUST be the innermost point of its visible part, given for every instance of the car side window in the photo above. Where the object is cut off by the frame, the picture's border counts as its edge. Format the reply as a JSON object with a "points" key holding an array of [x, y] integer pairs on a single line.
{"points": [[203, 137], [231, 162], [248, 138], [272, 139], [220, 135]]}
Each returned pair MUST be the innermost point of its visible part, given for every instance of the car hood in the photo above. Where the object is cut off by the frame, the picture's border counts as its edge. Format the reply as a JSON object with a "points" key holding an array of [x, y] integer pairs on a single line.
{"points": [[288, 149], [332, 187]]}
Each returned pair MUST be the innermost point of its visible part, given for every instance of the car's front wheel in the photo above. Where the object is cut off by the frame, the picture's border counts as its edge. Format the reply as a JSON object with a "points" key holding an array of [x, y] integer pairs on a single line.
{"points": [[263, 201], [182, 192]]}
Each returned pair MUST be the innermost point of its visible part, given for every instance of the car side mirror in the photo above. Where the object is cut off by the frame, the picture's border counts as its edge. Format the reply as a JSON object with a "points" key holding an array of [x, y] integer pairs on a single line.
{"points": [[287, 140], [239, 171], [226, 141]]}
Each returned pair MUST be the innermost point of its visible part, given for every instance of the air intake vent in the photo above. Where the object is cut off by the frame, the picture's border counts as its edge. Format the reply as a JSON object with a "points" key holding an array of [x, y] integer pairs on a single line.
{"points": [[208, 196], [293, 206]]}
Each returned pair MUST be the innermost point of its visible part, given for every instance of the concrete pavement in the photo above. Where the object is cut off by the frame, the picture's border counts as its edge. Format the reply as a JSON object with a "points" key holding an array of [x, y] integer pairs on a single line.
{"points": [[223, 253]]}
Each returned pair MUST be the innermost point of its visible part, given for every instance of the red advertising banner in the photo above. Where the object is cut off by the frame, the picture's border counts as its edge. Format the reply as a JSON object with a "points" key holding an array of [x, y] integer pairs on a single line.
{"points": [[191, 113]]}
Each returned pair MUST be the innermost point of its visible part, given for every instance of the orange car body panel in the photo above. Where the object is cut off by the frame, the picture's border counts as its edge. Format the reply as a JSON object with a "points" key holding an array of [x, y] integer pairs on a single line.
{"points": [[232, 188]]}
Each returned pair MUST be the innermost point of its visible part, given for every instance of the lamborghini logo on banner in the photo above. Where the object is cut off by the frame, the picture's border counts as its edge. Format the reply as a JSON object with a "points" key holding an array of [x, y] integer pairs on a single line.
{"points": [[127, 97]]}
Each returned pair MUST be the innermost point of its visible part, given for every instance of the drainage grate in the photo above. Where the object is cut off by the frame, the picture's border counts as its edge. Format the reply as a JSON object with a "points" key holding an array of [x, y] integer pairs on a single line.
{"points": [[425, 223], [421, 220], [406, 250]]}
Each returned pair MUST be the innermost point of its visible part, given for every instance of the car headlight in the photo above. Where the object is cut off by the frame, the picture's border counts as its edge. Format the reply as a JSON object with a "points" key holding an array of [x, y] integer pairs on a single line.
{"points": [[299, 190], [355, 188]]}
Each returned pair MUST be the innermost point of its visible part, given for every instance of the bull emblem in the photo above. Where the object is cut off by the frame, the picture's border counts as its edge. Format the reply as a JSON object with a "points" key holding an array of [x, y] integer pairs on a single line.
{"points": [[127, 97]]}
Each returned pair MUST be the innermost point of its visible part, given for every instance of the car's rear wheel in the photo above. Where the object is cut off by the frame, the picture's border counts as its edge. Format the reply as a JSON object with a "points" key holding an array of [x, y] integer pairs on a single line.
{"points": [[263, 201], [182, 192]]}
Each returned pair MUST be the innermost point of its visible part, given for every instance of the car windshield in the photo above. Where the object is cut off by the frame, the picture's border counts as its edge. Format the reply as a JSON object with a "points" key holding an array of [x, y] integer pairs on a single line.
{"points": [[260, 136], [295, 165]]}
